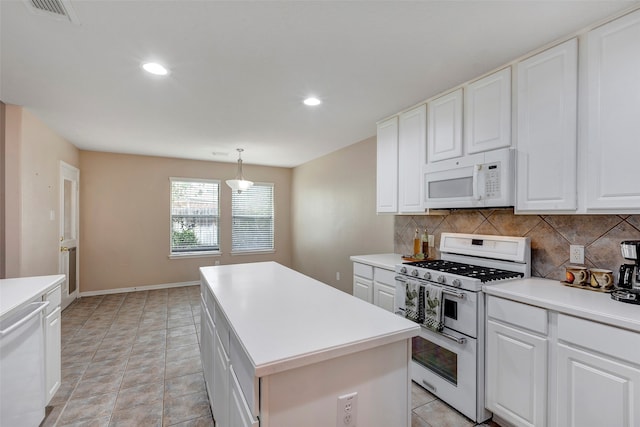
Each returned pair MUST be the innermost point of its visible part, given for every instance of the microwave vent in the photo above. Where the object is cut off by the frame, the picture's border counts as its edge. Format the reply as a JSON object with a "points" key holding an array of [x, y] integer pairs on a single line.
{"points": [[57, 9]]}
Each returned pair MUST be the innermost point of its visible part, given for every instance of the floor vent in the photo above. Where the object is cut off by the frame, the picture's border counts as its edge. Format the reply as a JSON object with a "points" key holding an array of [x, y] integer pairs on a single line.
{"points": [[57, 9]]}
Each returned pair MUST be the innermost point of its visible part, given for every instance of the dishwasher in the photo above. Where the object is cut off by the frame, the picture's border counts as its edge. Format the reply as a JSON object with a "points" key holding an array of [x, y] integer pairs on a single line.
{"points": [[22, 382]]}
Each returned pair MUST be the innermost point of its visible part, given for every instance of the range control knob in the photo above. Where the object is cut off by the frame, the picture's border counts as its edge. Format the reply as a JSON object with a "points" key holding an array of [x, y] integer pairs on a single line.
{"points": [[427, 275], [403, 270], [415, 273], [441, 279], [457, 283]]}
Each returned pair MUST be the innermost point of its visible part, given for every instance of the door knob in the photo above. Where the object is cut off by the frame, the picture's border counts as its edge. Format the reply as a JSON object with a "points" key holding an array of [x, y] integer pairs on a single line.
{"points": [[64, 249]]}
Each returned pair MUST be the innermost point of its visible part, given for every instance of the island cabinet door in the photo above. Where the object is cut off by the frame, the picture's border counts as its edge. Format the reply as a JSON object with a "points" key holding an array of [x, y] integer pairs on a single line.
{"points": [[221, 390], [239, 412]]}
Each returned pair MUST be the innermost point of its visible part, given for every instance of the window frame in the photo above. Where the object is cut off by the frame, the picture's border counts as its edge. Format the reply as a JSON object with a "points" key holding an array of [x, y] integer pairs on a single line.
{"points": [[217, 219], [273, 224]]}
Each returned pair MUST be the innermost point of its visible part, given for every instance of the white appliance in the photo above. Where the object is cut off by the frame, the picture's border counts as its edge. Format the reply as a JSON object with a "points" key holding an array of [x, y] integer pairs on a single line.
{"points": [[22, 388], [450, 363], [473, 181]]}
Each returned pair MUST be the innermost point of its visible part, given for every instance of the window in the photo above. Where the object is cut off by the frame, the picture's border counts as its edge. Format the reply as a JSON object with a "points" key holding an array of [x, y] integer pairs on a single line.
{"points": [[195, 215], [252, 212]]}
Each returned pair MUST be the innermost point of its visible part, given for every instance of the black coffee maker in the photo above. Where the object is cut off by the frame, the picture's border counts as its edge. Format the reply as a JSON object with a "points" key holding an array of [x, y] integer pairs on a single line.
{"points": [[630, 273], [629, 280]]}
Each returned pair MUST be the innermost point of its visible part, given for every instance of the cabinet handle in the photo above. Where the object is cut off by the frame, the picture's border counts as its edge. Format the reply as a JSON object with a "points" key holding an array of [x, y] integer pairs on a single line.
{"points": [[38, 307]]}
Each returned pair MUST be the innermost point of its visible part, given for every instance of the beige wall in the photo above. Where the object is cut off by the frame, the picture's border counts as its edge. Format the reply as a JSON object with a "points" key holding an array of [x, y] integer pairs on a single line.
{"points": [[32, 153], [124, 225], [334, 214]]}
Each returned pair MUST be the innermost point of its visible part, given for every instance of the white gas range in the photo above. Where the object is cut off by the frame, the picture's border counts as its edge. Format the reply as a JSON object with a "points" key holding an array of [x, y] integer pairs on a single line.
{"points": [[450, 362]]}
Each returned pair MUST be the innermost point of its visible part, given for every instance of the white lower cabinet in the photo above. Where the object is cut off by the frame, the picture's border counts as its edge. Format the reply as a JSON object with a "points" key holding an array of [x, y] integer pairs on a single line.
{"points": [[206, 347], [384, 288], [516, 384], [53, 335], [53, 343], [549, 368], [221, 384], [363, 281], [374, 285], [239, 412], [598, 375]]}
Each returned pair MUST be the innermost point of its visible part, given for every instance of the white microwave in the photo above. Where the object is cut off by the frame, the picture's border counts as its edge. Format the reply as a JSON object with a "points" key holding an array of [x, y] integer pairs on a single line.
{"points": [[474, 181]]}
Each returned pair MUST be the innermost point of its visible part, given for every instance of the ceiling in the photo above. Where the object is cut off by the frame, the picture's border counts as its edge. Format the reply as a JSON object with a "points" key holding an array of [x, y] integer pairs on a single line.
{"points": [[239, 70]]}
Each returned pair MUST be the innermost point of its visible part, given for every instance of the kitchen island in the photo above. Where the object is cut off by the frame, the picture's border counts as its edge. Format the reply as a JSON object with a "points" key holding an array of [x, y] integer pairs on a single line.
{"points": [[280, 349]]}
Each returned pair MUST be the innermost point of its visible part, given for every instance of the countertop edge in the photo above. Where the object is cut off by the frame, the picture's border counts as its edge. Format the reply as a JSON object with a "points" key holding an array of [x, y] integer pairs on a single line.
{"points": [[385, 261], [31, 287], [573, 307]]}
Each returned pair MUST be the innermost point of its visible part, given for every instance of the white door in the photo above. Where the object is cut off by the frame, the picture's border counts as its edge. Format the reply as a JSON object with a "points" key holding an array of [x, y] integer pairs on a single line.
{"points": [[69, 225], [444, 127], [487, 112], [547, 115], [613, 67], [387, 166], [516, 376], [412, 142]]}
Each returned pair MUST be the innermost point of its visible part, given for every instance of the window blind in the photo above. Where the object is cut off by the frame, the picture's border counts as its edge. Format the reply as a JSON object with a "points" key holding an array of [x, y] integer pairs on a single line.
{"points": [[195, 215], [252, 212]]}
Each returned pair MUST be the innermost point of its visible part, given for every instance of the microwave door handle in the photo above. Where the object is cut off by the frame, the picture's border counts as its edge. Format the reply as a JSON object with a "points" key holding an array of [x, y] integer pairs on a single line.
{"points": [[476, 171]]}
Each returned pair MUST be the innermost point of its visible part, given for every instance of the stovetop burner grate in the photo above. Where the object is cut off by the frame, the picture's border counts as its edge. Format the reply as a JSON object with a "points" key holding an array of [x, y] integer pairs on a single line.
{"points": [[485, 274]]}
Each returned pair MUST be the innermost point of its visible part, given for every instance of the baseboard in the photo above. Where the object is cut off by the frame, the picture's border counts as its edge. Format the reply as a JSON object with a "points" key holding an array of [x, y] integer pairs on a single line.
{"points": [[137, 288]]}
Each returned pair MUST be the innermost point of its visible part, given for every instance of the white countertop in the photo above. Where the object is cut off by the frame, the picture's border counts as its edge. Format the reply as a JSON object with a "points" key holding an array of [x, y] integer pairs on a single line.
{"points": [[15, 292], [386, 261], [285, 319], [553, 295]]}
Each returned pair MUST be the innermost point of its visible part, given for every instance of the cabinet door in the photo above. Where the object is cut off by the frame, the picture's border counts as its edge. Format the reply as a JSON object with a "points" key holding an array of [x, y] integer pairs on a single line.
{"points": [[516, 377], [411, 158], [207, 349], [487, 112], [239, 413], [387, 166], [221, 384], [595, 391], [547, 114], [53, 334], [445, 127], [363, 288], [613, 111], [384, 295]]}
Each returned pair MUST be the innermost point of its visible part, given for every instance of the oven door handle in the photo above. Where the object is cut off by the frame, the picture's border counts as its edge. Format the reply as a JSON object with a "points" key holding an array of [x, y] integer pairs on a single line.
{"points": [[460, 340], [444, 290]]}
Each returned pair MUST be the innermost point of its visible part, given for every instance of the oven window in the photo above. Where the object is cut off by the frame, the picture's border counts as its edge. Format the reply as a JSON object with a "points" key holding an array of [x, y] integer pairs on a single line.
{"points": [[438, 360]]}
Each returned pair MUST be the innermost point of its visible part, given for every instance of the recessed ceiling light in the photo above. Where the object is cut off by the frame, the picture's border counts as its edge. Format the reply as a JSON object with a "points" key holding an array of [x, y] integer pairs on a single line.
{"points": [[312, 101], [155, 68]]}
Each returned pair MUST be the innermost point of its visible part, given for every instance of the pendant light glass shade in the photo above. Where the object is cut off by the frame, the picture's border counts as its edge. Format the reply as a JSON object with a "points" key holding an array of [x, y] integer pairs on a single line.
{"points": [[239, 184]]}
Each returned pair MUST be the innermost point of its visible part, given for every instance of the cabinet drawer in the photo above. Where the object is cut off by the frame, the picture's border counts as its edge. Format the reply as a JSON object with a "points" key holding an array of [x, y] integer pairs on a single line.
{"points": [[609, 340], [363, 270], [54, 297], [387, 277], [222, 326], [518, 314]]}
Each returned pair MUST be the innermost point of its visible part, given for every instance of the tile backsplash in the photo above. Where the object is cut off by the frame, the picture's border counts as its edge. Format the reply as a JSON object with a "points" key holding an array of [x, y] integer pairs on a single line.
{"points": [[550, 235]]}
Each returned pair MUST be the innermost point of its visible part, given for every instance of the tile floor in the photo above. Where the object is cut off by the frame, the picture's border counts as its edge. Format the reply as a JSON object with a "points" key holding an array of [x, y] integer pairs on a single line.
{"points": [[133, 359]]}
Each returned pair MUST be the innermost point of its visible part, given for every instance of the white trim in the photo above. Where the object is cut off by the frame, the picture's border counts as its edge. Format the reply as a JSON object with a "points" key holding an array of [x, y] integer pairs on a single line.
{"points": [[139, 288], [203, 254], [253, 252]]}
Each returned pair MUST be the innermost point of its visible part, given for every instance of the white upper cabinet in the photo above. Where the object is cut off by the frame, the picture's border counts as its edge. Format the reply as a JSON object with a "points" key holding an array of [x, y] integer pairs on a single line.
{"points": [[387, 166], [487, 112], [613, 142], [411, 158], [445, 127], [546, 161]]}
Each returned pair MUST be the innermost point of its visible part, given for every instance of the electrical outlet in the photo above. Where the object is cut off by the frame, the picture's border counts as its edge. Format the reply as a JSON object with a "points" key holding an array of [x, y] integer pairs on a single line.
{"points": [[337, 276], [347, 410], [576, 254]]}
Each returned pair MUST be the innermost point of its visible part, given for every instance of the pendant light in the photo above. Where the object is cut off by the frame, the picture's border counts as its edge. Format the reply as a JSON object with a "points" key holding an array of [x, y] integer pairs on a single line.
{"points": [[239, 184]]}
